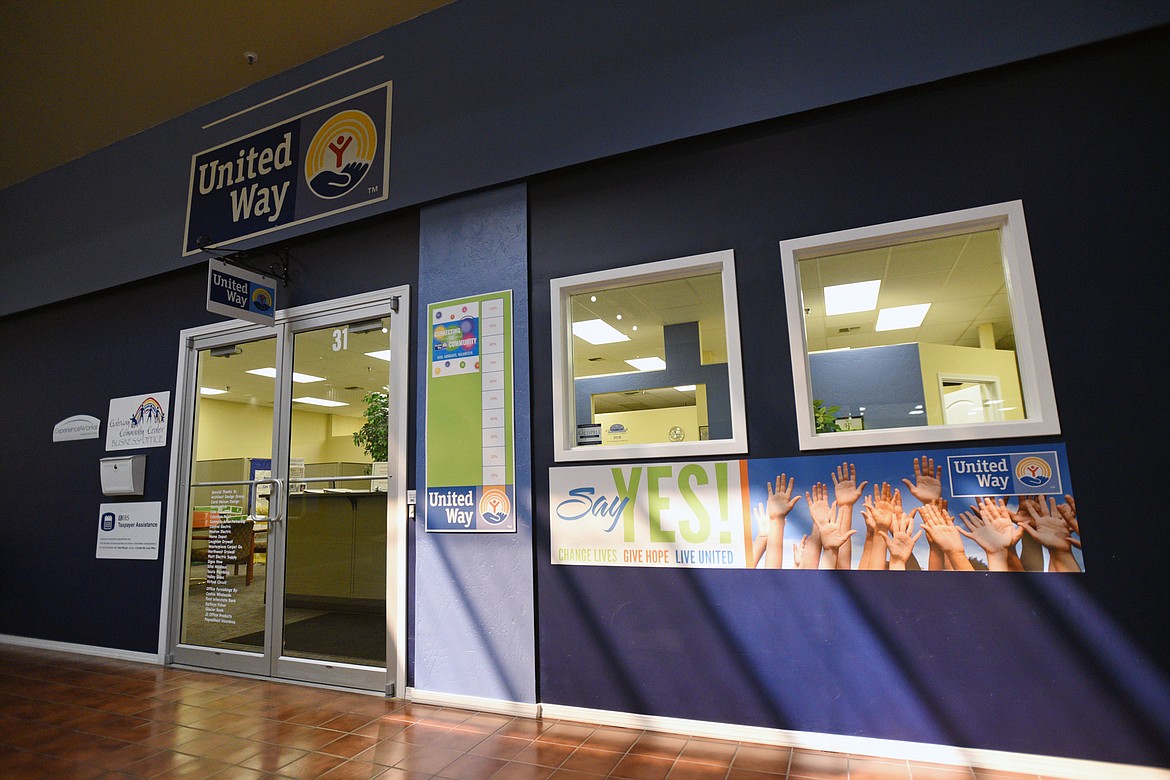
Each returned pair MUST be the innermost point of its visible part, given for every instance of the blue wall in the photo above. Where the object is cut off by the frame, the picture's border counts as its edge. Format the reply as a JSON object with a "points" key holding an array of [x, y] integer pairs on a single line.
{"points": [[994, 662], [491, 91], [474, 605], [885, 381]]}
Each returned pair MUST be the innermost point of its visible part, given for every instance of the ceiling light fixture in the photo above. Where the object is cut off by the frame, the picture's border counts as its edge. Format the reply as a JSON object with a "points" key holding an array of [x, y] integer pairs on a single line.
{"points": [[211, 391], [318, 401], [297, 377], [685, 388], [852, 297], [381, 354], [648, 363], [598, 332], [899, 317]]}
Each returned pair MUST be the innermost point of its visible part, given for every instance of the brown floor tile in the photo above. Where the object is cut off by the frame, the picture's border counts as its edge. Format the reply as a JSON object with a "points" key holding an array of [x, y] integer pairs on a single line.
{"points": [[687, 770], [658, 745], [814, 764], [762, 759], [642, 767], [516, 770], [355, 770], [348, 745], [273, 758], [496, 746], [470, 767], [878, 769], [544, 753], [606, 738], [590, 761], [428, 759], [566, 734], [737, 773], [705, 751]]}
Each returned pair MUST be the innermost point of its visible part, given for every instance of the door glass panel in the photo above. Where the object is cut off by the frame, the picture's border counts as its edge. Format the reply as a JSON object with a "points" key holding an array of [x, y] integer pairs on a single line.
{"points": [[335, 553], [224, 596]]}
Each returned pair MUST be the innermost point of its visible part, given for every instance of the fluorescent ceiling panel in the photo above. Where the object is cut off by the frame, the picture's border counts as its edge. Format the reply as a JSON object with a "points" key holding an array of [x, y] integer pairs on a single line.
{"points": [[684, 388], [211, 391], [271, 374], [381, 354], [598, 332], [899, 317], [648, 363], [849, 298], [318, 401]]}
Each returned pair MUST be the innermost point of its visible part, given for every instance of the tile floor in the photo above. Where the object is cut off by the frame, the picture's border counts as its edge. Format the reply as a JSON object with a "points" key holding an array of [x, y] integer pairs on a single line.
{"points": [[73, 716]]}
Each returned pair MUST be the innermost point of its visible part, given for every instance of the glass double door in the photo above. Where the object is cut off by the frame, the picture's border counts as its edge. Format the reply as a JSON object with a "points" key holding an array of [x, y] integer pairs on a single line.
{"points": [[289, 487]]}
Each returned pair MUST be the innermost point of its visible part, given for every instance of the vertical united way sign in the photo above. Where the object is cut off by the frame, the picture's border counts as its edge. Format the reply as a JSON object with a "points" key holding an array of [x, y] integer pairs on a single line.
{"points": [[325, 161], [469, 417]]}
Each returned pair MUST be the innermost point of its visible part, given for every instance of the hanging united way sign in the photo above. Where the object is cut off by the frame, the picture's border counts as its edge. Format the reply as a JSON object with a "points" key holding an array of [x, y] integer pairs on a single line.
{"points": [[323, 162], [235, 292]]}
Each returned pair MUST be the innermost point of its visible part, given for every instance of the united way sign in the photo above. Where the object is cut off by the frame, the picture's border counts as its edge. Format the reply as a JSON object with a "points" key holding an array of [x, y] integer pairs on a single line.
{"points": [[329, 160], [246, 295]]}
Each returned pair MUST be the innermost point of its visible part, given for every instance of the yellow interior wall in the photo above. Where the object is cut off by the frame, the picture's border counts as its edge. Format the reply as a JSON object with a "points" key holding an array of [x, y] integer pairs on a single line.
{"points": [[233, 430], [938, 359], [649, 426]]}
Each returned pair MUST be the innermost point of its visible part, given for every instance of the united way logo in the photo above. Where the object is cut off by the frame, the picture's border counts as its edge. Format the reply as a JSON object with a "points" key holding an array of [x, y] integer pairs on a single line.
{"points": [[1033, 471], [494, 506], [261, 299], [149, 410], [340, 154]]}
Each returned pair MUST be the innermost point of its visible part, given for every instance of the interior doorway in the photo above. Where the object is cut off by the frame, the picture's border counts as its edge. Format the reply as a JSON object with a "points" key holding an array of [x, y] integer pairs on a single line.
{"points": [[288, 496]]}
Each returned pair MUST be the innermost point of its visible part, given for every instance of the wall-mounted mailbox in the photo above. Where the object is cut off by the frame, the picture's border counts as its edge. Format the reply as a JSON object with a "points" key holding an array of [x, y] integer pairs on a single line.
{"points": [[123, 475]]}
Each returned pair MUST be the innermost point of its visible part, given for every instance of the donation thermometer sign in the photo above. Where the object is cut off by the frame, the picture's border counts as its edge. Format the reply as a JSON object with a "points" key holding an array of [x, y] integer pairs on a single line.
{"points": [[658, 514]]}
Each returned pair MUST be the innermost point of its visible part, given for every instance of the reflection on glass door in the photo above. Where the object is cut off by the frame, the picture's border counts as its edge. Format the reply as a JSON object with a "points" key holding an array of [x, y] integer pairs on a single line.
{"points": [[224, 599], [334, 584]]}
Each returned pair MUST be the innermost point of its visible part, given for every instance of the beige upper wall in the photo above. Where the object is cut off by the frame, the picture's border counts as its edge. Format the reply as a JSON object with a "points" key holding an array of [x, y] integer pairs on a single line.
{"points": [[233, 430]]}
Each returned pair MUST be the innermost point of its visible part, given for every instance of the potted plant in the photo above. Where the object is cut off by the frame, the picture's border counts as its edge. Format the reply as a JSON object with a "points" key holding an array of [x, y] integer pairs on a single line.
{"points": [[371, 437], [825, 417]]}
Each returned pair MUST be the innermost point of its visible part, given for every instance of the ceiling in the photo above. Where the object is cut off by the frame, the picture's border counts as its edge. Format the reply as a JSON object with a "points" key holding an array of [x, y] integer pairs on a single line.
{"points": [[80, 75]]}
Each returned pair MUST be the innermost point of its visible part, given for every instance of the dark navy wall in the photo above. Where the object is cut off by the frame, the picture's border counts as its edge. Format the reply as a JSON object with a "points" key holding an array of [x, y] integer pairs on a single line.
{"points": [[1019, 663], [72, 358], [491, 91]]}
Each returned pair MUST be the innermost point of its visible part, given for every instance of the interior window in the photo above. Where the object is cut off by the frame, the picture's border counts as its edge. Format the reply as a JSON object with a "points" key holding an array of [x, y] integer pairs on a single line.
{"points": [[647, 360], [918, 331]]}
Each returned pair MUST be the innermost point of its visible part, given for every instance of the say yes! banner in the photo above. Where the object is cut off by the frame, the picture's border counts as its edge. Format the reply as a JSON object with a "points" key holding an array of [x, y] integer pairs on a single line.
{"points": [[713, 514]]}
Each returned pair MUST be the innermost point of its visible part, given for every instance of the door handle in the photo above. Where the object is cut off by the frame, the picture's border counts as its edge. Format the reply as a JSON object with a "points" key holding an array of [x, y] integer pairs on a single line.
{"points": [[275, 500]]}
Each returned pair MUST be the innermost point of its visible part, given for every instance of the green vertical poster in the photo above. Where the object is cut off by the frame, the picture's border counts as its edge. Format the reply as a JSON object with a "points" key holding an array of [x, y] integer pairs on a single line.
{"points": [[469, 416]]}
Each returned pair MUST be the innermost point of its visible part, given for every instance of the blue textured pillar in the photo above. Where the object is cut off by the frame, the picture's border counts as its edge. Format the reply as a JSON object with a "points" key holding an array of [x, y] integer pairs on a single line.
{"points": [[474, 604]]}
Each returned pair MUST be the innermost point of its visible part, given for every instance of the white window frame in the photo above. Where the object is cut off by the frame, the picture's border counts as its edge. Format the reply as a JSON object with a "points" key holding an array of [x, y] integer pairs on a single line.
{"points": [[564, 399], [1031, 348]]}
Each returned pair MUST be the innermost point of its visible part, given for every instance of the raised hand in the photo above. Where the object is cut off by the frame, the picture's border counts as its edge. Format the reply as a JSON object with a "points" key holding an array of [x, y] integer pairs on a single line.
{"points": [[900, 543], [1052, 531], [927, 485], [942, 532], [781, 501], [818, 501], [834, 528], [1068, 511], [994, 540], [884, 507], [846, 491], [798, 552]]}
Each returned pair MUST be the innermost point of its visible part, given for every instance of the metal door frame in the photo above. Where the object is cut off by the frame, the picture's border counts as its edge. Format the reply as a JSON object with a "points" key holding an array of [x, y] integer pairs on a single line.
{"points": [[393, 302]]}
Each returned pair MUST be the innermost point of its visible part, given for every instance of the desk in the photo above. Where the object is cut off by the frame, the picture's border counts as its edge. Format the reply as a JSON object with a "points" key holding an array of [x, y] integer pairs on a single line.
{"points": [[335, 555]]}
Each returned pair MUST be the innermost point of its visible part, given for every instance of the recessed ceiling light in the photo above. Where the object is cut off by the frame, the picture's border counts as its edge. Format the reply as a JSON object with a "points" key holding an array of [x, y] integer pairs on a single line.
{"points": [[318, 401], [915, 411], [855, 296], [684, 388], [598, 332], [211, 391], [648, 363], [297, 377], [381, 354], [899, 317]]}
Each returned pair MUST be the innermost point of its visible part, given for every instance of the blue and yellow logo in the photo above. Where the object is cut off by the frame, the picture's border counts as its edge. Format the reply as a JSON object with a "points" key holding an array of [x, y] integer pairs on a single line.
{"points": [[1033, 472], [340, 154], [261, 299]]}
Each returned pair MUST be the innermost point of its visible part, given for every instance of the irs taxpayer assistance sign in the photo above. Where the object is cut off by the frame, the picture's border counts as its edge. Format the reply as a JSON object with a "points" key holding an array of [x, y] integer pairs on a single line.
{"points": [[325, 161]]}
